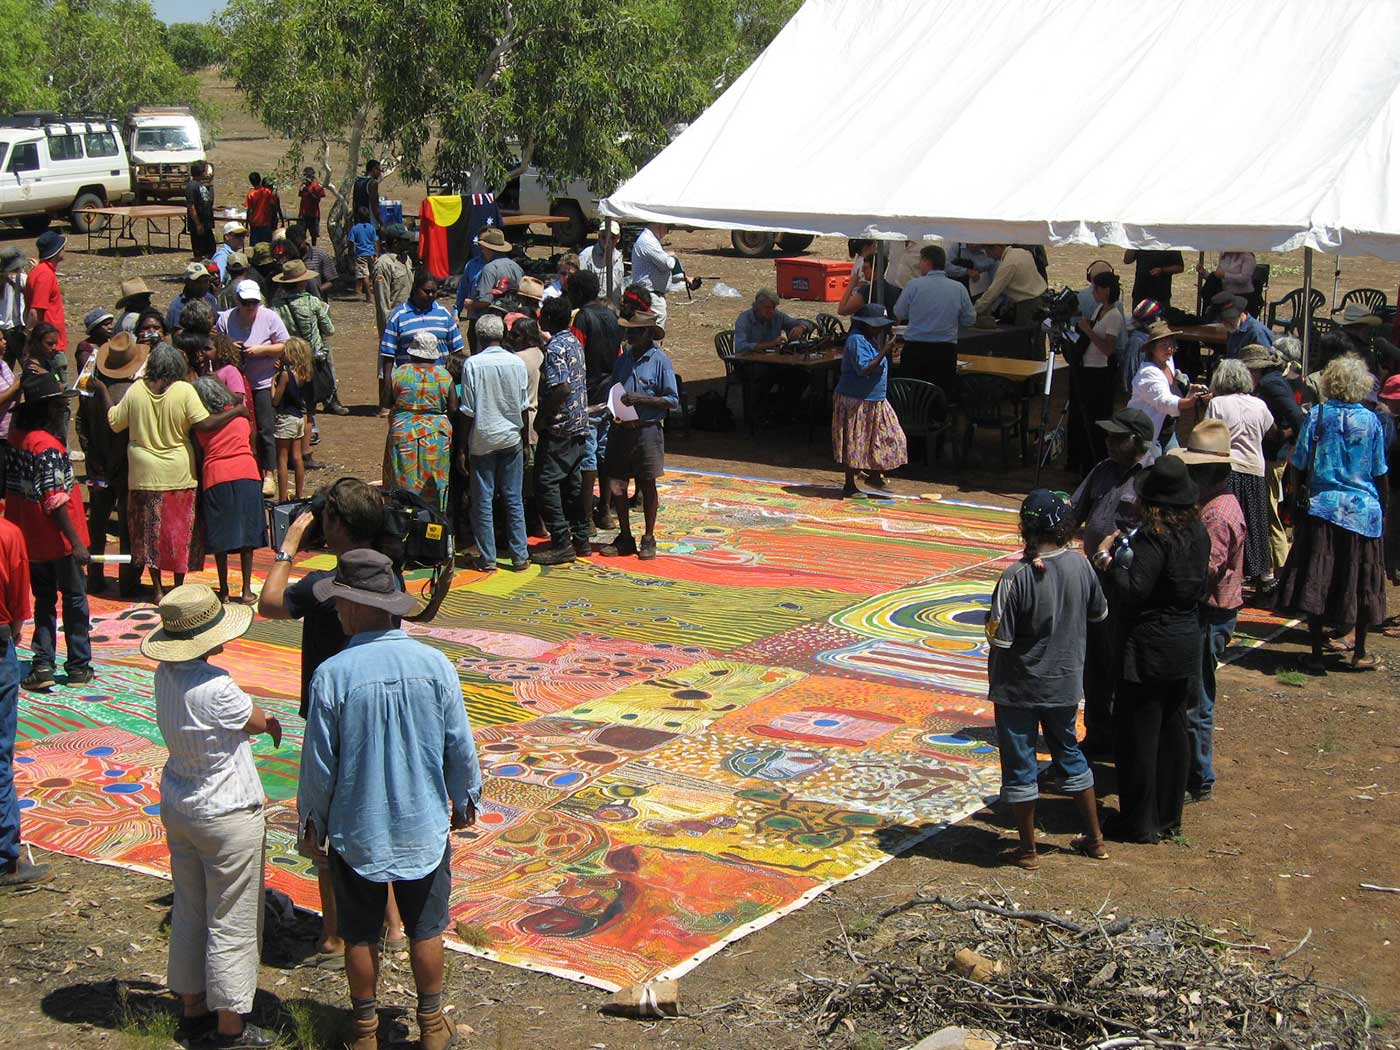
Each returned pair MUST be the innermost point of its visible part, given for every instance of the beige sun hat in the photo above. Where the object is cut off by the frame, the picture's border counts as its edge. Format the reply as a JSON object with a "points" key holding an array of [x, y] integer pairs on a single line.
{"points": [[493, 238], [193, 622], [1356, 313], [530, 288], [1208, 442]]}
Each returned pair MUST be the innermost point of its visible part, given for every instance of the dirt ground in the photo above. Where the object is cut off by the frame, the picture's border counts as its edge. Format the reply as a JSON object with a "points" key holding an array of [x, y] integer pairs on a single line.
{"points": [[1307, 807]]}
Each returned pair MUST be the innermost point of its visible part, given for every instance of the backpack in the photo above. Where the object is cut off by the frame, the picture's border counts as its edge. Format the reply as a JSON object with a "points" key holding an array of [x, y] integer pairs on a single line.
{"points": [[418, 527], [712, 412]]}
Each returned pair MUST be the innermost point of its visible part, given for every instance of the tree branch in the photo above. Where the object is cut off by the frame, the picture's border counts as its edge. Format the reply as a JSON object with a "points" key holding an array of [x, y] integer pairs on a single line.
{"points": [[496, 58], [527, 156]]}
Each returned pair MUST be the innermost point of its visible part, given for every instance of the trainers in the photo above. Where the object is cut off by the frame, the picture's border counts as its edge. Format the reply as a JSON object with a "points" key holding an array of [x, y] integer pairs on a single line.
{"points": [[553, 555], [251, 1035], [39, 678], [81, 677], [315, 438], [583, 548], [25, 874], [619, 547], [519, 564], [647, 550], [482, 565]]}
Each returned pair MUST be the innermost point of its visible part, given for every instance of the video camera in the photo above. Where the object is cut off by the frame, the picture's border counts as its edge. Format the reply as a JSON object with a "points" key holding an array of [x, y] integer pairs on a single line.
{"points": [[415, 534], [1060, 307]]}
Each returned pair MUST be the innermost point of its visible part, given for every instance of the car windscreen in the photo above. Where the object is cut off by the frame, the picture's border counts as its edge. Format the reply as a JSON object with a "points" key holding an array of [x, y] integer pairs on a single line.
{"points": [[156, 139]]}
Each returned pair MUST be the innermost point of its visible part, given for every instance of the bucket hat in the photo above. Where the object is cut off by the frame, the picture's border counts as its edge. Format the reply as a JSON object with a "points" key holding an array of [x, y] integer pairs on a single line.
{"points": [[366, 577]]}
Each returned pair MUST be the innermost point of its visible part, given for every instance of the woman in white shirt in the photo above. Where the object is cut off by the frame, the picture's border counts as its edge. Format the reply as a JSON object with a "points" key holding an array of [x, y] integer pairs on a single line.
{"points": [[211, 803], [1091, 395], [1157, 388], [1249, 419]]}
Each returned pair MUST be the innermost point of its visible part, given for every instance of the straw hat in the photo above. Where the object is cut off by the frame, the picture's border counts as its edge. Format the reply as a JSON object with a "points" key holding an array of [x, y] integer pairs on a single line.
{"points": [[493, 238], [193, 622], [1209, 443], [294, 271], [1356, 313], [130, 289], [366, 577], [531, 288], [121, 357]]}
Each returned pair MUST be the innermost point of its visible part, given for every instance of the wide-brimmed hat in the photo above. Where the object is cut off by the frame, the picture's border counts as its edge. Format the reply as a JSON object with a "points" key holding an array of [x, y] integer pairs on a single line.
{"points": [[1356, 313], [1209, 442], [234, 227], [262, 253], [872, 316], [49, 244], [11, 260], [235, 261], [424, 346], [95, 317], [640, 319], [530, 288], [193, 622], [1157, 331], [130, 289], [1168, 484], [195, 271], [493, 238], [1258, 356], [366, 577], [1130, 421], [121, 357], [294, 271], [39, 386]]}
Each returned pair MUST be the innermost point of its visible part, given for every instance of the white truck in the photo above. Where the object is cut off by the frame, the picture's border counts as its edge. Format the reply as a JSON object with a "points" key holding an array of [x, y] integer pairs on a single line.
{"points": [[162, 142], [55, 166]]}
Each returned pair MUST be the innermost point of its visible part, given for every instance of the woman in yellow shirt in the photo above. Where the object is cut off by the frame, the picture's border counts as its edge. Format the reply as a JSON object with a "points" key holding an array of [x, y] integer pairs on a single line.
{"points": [[160, 411]]}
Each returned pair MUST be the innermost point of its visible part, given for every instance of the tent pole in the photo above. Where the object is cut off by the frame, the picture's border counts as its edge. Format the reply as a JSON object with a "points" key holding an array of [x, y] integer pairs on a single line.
{"points": [[608, 262], [877, 275], [1336, 280], [1200, 280], [1307, 308]]}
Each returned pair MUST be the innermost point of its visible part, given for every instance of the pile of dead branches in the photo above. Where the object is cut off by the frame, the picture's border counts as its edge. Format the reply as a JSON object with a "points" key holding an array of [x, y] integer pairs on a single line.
{"points": [[1046, 980]]}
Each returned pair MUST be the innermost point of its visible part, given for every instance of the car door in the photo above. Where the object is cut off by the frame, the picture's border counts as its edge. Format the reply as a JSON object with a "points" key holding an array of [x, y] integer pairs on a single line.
{"points": [[21, 179]]}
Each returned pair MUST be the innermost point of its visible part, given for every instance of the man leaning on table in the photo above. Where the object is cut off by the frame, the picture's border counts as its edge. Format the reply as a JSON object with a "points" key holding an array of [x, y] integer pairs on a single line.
{"points": [[1017, 283], [934, 306]]}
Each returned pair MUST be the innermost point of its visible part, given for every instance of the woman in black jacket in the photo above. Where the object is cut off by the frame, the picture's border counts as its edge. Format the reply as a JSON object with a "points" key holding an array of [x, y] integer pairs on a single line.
{"points": [[1155, 582]]}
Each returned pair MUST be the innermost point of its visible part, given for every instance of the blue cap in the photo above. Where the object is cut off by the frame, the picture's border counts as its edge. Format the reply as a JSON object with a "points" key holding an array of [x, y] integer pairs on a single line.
{"points": [[1044, 511], [872, 315]]}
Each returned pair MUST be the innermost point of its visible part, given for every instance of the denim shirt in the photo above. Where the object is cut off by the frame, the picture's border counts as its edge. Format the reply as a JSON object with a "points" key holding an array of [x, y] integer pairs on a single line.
{"points": [[387, 746], [652, 375]]}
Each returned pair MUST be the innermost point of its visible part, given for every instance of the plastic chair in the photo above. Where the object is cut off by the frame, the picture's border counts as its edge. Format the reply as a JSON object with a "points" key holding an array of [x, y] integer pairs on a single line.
{"points": [[830, 324], [1292, 305], [724, 347], [992, 403], [1372, 298], [922, 408]]}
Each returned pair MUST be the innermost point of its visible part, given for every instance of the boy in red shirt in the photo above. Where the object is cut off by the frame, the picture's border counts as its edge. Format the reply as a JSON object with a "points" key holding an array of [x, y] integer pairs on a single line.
{"points": [[43, 501], [14, 610], [309, 211], [262, 207], [43, 299]]}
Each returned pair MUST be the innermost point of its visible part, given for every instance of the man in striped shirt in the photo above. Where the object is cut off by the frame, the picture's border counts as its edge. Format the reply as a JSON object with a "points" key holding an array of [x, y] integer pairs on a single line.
{"points": [[420, 314]]}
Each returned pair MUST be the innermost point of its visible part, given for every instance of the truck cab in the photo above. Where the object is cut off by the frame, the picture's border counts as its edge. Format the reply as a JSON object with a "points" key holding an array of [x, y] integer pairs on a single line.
{"points": [[163, 141]]}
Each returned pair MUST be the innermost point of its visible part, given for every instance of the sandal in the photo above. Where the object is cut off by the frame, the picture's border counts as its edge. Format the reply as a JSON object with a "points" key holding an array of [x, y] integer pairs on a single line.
{"points": [[1337, 645], [1087, 847], [1365, 663], [1026, 860], [1391, 630]]}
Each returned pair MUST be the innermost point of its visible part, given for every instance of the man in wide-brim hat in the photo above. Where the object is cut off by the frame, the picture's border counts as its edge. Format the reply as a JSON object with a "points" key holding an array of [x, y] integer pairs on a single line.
{"points": [[118, 363], [133, 297]]}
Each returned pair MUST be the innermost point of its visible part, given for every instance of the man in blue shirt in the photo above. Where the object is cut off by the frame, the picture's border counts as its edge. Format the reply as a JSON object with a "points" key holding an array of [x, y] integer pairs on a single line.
{"points": [[1243, 330], [420, 314], [764, 327], [637, 447], [388, 765], [563, 428], [934, 305]]}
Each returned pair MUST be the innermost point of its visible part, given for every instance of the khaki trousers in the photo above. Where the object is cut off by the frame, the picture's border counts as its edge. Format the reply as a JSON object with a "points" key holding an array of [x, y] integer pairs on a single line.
{"points": [[1278, 536]]}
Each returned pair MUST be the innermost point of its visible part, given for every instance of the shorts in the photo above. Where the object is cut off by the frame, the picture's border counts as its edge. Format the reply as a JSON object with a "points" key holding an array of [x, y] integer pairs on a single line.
{"points": [[361, 902], [590, 449], [658, 307], [600, 424], [289, 428], [636, 453], [361, 267], [1018, 730], [312, 224]]}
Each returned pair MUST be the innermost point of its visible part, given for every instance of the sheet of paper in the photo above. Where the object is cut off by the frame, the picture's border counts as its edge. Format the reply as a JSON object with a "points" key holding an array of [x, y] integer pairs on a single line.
{"points": [[622, 413]]}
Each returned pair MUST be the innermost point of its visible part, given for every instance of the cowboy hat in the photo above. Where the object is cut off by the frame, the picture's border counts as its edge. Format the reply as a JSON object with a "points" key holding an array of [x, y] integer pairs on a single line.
{"points": [[1158, 330], [366, 577], [1209, 442], [11, 260], [194, 622], [130, 289], [294, 271], [1168, 484], [39, 386], [424, 346], [1257, 356], [121, 357], [493, 238], [530, 288], [1356, 313], [640, 319], [49, 244]]}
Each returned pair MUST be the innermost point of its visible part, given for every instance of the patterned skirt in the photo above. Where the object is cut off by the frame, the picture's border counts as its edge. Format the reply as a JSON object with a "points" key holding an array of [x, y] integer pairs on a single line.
{"points": [[165, 534], [419, 455], [866, 435], [1253, 494], [1334, 574]]}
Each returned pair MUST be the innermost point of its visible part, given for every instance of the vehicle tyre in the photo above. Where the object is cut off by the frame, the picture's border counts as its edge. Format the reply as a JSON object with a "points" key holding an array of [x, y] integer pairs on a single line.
{"points": [[794, 242], [751, 244], [88, 223], [573, 233], [35, 224]]}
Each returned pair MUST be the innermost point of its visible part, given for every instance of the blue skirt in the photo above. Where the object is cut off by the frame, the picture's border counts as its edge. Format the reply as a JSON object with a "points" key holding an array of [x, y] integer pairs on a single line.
{"points": [[234, 516]]}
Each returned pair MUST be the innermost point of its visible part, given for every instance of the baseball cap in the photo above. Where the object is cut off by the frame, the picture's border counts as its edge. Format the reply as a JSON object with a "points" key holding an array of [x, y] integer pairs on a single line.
{"points": [[195, 270], [234, 227], [1042, 510], [249, 290], [1129, 421]]}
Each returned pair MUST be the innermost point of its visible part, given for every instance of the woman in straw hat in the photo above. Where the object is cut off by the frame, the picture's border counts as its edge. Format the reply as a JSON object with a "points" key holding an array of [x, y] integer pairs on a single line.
{"points": [[1159, 390], [1250, 422], [865, 432], [1335, 574], [211, 804], [1155, 582], [423, 403]]}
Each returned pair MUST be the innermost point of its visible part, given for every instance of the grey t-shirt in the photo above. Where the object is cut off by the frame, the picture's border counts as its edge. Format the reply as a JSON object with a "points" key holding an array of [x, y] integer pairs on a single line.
{"points": [[1037, 626], [491, 275]]}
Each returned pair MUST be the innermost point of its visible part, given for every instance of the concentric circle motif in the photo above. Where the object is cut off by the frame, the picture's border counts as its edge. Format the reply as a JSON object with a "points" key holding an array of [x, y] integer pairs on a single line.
{"points": [[947, 615]]}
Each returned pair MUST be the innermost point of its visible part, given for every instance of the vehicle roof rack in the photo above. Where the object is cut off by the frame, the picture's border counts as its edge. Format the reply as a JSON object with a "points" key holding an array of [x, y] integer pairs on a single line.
{"points": [[41, 118]]}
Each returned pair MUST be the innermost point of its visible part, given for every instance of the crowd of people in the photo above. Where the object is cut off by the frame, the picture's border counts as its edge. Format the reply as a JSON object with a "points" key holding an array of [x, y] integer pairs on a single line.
{"points": [[539, 408]]}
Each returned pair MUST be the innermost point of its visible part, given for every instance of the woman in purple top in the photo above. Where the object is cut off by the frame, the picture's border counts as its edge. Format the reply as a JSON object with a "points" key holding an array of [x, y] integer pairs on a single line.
{"points": [[260, 335]]}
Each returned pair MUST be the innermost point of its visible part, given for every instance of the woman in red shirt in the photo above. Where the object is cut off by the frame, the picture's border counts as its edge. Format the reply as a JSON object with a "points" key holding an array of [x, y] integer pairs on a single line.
{"points": [[230, 488]]}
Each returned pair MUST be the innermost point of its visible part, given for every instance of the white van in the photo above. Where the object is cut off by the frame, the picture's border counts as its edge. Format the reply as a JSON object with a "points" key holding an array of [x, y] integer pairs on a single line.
{"points": [[162, 141], [52, 166]]}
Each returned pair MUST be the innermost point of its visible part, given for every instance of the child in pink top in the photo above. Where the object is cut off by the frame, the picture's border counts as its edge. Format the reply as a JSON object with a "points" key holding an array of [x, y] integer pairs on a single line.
{"points": [[230, 489]]}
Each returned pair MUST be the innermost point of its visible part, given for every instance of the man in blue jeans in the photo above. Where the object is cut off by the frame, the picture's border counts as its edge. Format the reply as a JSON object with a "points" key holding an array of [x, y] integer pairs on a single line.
{"points": [[496, 399], [14, 610]]}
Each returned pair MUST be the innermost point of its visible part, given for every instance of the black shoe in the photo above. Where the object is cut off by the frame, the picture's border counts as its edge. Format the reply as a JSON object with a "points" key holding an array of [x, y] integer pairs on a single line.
{"points": [[619, 547], [25, 874], [39, 679], [81, 677], [647, 550], [192, 1030], [482, 565], [251, 1035], [519, 566], [553, 555], [311, 463], [583, 548], [1193, 797]]}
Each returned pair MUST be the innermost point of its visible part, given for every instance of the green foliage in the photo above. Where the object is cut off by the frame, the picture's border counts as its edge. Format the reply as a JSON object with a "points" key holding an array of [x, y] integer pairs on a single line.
{"points": [[194, 45], [23, 58]]}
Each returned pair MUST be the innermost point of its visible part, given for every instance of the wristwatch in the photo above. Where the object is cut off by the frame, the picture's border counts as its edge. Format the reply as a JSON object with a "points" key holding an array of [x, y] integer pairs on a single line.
{"points": [[282, 556]]}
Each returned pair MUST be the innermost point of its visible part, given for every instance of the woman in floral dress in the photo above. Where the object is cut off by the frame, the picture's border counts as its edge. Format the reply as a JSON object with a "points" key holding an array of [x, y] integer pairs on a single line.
{"points": [[423, 403]]}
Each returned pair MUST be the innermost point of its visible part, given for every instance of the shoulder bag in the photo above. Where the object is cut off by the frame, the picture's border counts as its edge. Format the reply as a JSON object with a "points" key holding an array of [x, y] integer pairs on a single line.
{"points": [[1302, 485]]}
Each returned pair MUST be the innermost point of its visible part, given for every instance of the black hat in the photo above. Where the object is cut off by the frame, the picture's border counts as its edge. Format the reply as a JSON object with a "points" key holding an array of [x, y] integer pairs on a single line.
{"points": [[1044, 510], [366, 577], [1129, 421], [872, 315], [49, 244], [1168, 484], [37, 386]]}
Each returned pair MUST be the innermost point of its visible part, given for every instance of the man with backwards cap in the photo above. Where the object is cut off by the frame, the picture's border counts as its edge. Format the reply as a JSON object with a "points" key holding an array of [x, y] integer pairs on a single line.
{"points": [[260, 334], [386, 723]]}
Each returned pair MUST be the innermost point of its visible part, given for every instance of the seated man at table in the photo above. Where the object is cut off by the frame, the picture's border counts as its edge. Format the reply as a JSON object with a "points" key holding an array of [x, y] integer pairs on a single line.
{"points": [[1016, 290], [764, 327], [934, 306], [1242, 330]]}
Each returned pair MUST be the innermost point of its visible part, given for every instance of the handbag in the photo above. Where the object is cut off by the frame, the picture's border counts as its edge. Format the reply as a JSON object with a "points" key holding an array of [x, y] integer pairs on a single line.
{"points": [[1302, 484]]}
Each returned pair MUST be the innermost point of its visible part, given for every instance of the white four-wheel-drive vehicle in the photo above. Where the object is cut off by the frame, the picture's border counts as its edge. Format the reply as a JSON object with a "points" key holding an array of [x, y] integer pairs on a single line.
{"points": [[162, 141], [52, 166]]}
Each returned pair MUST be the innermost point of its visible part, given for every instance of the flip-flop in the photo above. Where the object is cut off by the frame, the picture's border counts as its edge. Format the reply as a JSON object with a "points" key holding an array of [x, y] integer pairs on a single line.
{"points": [[326, 961], [1337, 645], [1024, 860], [1366, 663], [1082, 845]]}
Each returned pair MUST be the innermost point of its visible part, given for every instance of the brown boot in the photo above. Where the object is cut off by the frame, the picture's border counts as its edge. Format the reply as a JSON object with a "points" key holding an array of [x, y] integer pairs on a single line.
{"points": [[365, 1034], [435, 1031]]}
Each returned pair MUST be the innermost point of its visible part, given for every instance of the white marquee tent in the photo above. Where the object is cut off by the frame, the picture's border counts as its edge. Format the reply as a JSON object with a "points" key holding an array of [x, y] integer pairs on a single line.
{"points": [[1267, 125]]}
